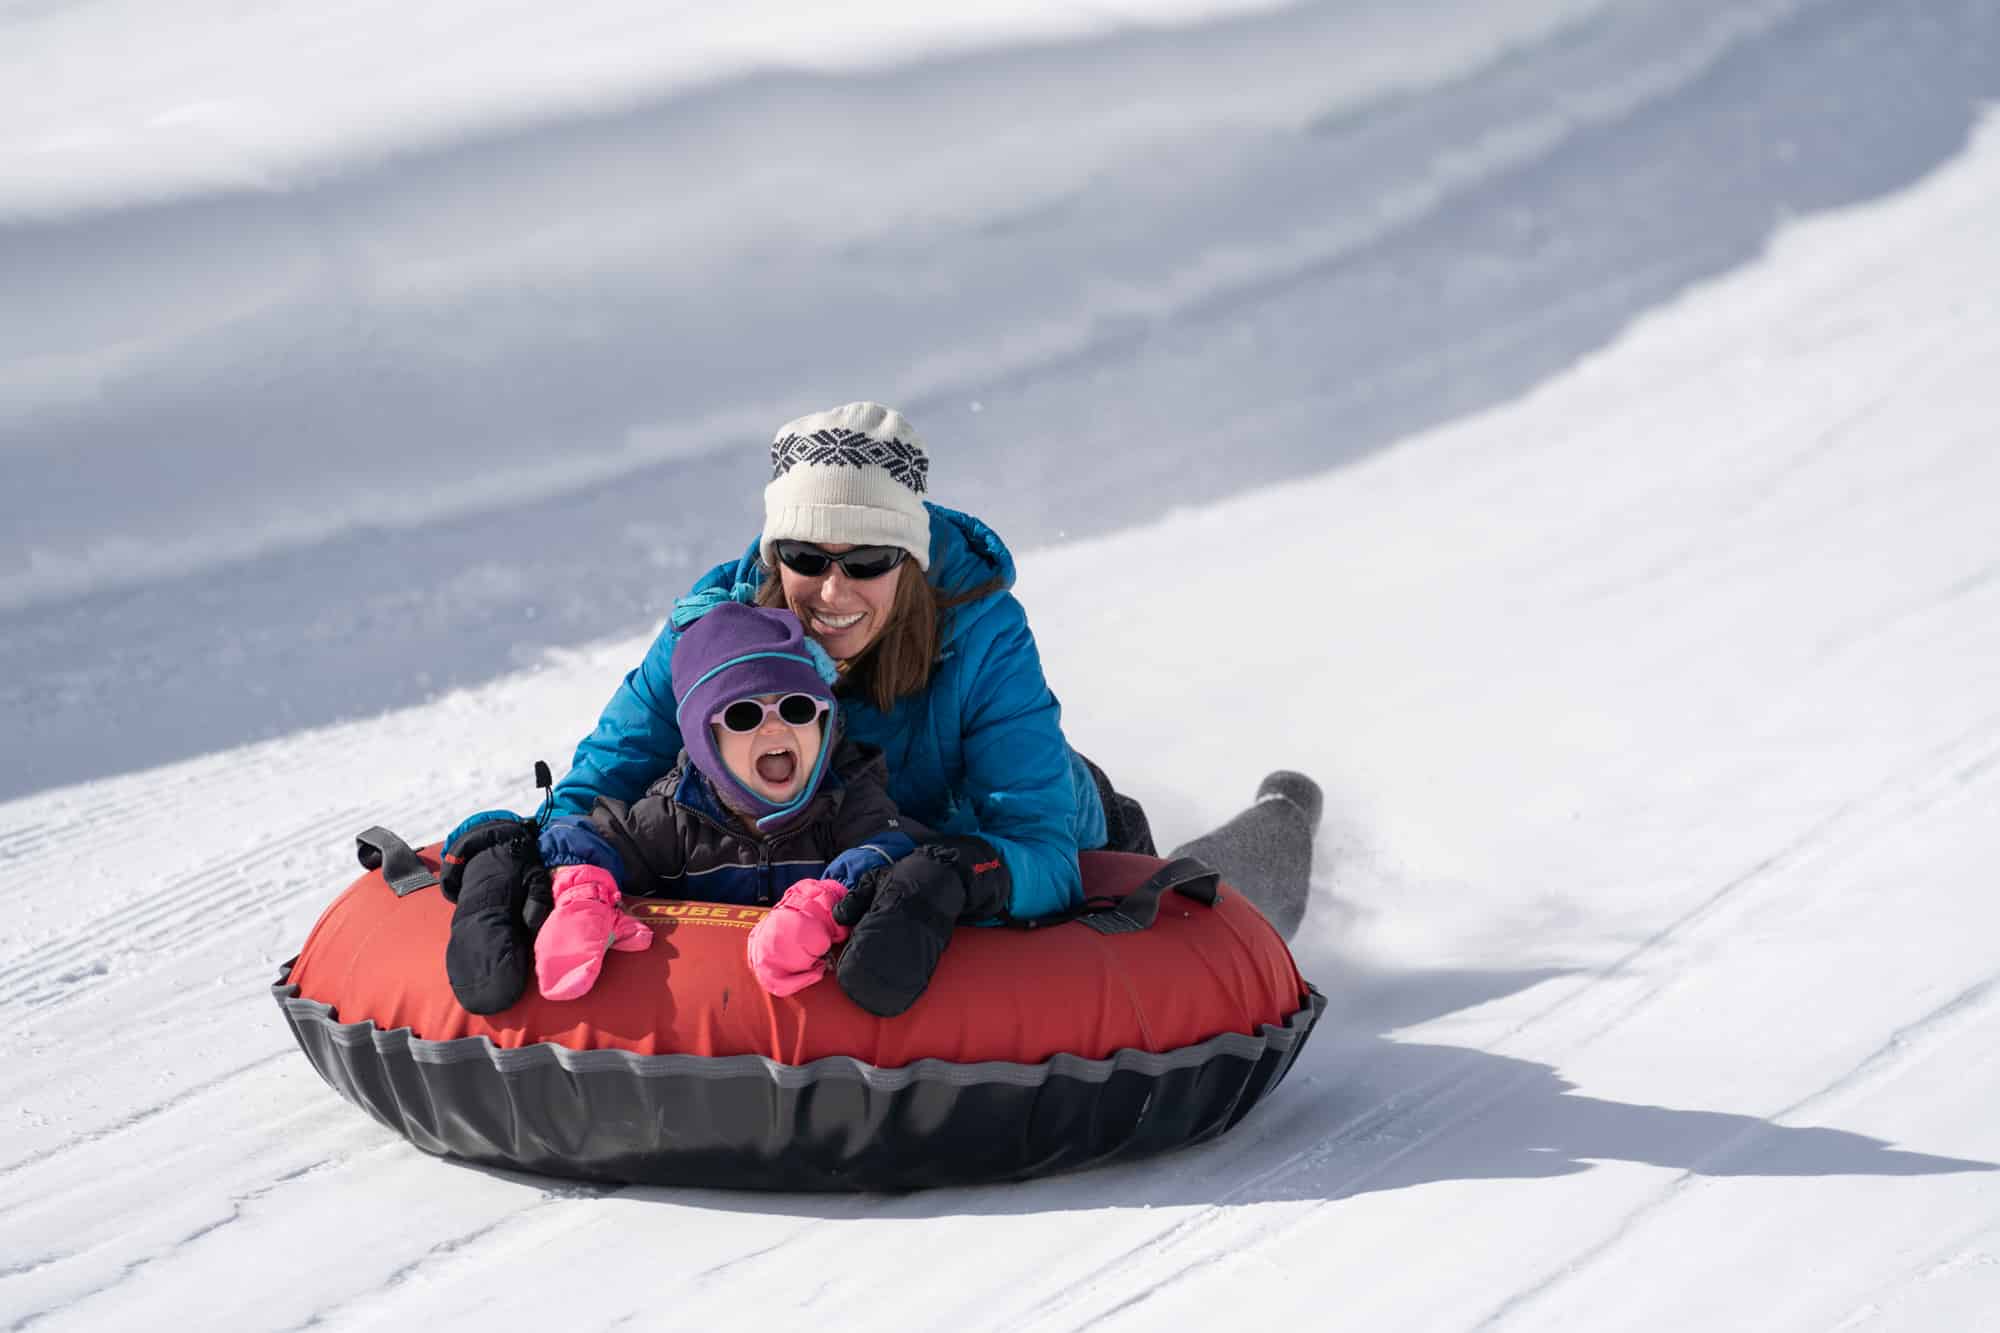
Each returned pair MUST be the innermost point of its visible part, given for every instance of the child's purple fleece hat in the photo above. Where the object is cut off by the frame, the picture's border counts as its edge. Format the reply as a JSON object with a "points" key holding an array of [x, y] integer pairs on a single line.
{"points": [[735, 651]]}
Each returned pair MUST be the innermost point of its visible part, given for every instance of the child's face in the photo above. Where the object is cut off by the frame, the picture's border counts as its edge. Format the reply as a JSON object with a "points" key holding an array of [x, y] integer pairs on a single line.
{"points": [[776, 760]]}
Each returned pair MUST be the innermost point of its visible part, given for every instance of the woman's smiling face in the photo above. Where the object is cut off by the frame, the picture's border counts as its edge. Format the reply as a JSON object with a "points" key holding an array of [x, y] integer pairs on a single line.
{"points": [[776, 760], [844, 615]]}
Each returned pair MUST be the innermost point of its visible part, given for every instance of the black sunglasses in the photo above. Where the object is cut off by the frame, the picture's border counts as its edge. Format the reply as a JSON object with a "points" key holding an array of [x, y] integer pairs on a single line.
{"points": [[747, 715], [863, 562]]}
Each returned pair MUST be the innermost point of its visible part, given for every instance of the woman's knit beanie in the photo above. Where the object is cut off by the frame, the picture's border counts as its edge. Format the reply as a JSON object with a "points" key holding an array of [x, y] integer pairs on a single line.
{"points": [[731, 653], [855, 474]]}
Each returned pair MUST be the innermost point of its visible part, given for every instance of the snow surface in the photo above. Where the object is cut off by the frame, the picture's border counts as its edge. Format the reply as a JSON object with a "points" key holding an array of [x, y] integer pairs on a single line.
{"points": [[1648, 647], [508, 358]]}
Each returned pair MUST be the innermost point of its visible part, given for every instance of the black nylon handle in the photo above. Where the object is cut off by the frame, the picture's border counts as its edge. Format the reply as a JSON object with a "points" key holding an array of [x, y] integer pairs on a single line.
{"points": [[1187, 876], [379, 849]]}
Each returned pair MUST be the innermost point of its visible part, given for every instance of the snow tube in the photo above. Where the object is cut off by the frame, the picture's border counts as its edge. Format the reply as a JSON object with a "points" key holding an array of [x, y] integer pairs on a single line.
{"points": [[1033, 1050]]}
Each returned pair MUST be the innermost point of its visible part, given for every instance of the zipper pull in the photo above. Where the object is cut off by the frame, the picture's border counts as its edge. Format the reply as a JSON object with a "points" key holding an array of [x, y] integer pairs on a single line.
{"points": [[547, 782]]}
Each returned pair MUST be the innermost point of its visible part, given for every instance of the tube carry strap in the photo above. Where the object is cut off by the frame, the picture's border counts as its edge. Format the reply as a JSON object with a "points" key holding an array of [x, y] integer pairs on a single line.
{"points": [[1138, 909], [379, 849]]}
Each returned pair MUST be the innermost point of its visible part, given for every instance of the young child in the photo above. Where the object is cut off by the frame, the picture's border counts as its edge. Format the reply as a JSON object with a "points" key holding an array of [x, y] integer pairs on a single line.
{"points": [[767, 805]]}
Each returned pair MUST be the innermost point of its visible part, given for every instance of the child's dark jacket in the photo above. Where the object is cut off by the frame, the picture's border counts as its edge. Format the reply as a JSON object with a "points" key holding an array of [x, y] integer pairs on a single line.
{"points": [[679, 840]]}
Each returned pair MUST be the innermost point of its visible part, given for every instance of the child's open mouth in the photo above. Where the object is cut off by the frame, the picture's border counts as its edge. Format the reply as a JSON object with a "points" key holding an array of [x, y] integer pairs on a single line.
{"points": [[777, 767]]}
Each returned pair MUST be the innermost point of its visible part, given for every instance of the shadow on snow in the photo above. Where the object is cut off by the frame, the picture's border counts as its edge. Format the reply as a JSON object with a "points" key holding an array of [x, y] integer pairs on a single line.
{"points": [[1362, 1113]]}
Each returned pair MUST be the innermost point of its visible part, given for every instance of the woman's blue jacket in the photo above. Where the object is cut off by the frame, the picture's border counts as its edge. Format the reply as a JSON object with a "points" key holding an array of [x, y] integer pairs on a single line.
{"points": [[978, 750]]}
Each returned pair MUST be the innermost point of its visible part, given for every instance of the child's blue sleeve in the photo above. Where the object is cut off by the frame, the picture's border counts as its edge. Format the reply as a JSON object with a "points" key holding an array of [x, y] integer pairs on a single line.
{"points": [[572, 840], [885, 848]]}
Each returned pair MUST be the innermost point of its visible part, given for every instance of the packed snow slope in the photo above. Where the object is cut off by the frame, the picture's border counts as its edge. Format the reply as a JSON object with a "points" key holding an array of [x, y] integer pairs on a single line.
{"points": [[1659, 713], [346, 360]]}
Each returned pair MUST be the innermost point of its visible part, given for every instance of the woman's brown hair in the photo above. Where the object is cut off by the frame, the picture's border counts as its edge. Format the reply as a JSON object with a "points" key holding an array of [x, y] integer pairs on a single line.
{"points": [[899, 662]]}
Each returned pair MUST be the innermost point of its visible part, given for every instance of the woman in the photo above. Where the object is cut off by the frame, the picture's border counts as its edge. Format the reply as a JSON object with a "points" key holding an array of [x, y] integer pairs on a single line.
{"points": [[937, 667]]}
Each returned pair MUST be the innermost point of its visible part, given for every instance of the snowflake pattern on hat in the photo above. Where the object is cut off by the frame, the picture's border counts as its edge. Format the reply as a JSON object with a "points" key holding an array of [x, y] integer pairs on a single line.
{"points": [[836, 446]]}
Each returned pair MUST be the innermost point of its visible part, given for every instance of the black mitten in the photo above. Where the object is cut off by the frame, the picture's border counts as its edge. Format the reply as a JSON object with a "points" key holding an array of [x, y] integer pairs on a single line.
{"points": [[902, 922], [469, 839], [504, 895], [902, 918], [989, 888]]}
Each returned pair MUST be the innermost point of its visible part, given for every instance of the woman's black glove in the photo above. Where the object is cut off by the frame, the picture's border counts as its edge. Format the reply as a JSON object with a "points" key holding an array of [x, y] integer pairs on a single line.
{"points": [[494, 872], [902, 917]]}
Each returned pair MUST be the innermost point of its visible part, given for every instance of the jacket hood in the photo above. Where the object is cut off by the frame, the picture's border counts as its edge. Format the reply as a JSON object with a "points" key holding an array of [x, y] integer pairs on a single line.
{"points": [[736, 651]]}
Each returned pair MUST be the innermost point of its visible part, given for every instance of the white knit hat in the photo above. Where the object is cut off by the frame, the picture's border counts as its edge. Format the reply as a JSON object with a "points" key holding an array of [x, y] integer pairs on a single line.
{"points": [[854, 474]]}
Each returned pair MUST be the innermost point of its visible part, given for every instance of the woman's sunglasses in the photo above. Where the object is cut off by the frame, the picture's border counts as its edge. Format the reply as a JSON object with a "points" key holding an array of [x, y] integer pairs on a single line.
{"points": [[863, 562], [746, 715]]}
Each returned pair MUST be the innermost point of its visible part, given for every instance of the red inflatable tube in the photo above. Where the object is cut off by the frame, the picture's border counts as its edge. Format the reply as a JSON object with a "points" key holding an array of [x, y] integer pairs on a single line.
{"points": [[1033, 1050]]}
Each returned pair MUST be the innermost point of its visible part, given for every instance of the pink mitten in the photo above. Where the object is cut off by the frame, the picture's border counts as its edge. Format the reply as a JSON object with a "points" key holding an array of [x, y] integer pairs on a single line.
{"points": [[569, 950], [788, 947]]}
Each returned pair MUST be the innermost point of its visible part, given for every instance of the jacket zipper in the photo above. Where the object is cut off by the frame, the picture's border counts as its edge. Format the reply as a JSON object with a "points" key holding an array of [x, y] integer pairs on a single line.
{"points": [[763, 853], [763, 849]]}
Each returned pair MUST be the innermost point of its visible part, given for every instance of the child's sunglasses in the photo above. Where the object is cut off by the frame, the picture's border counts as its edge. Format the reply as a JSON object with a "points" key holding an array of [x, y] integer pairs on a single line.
{"points": [[863, 562], [746, 715]]}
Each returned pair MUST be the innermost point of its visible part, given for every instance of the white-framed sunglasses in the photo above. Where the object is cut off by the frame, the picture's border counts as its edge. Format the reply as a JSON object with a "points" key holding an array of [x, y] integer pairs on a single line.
{"points": [[747, 715]]}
